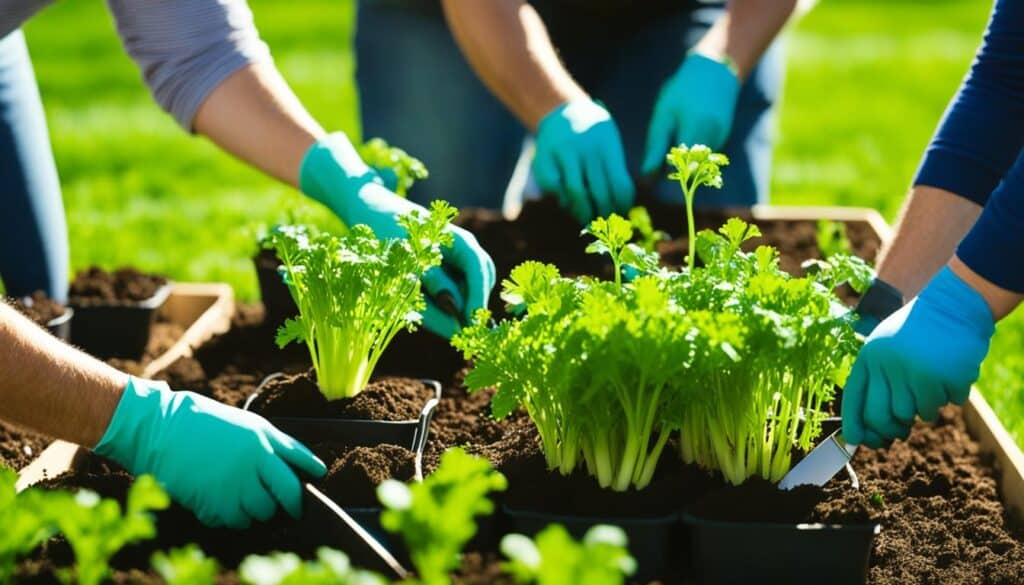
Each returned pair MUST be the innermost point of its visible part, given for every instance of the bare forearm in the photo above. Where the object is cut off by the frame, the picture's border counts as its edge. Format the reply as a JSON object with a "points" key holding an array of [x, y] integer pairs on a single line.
{"points": [[745, 31], [52, 388], [508, 46], [931, 224], [255, 116]]}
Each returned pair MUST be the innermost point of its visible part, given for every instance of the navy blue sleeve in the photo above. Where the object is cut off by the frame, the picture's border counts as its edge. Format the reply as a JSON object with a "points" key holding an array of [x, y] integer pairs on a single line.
{"points": [[982, 131], [994, 248]]}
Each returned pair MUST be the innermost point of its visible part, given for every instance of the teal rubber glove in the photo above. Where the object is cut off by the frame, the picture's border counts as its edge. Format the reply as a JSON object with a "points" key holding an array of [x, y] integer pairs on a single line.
{"points": [[580, 159], [923, 356], [227, 465], [695, 106], [333, 174]]}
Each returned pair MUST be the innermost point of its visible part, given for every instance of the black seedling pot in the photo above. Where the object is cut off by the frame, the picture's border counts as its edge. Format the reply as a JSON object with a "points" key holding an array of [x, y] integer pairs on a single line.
{"points": [[277, 299], [751, 552], [411, 434], [652, 540], [118, 330], [60, 327]]}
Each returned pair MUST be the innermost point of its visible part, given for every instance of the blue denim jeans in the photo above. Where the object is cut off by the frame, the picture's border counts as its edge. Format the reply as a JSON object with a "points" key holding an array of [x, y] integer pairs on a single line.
{"points": [[417, 91], [33, 233]]}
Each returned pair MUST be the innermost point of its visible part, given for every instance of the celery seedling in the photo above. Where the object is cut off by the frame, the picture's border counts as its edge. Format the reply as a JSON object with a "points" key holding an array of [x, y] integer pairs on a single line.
{"points": [[383, 157], [331, 567], [695, 166], [436, 517], [356, 292], [185, 566], [23, 524], [555, 558]]}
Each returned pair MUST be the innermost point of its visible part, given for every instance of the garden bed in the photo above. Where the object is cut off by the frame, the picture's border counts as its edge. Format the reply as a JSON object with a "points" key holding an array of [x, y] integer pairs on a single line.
{"points": [[938, 495]]}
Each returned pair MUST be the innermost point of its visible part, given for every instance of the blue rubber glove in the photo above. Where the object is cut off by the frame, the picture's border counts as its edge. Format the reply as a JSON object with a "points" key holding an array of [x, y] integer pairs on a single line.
{"points": [[227, 465], [333, 174], [923, 356], [580, 159], [695, 106]]}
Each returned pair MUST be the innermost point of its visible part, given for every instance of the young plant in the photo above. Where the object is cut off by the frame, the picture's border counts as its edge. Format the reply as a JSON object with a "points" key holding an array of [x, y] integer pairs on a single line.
{"points": [[331, 567], [596, 365], [390, 159], [23, 523], [555, 558], [356, 292], [832, 239], [96, 529], [185, 566], [436, 517], [649, 237], [695, 166]]}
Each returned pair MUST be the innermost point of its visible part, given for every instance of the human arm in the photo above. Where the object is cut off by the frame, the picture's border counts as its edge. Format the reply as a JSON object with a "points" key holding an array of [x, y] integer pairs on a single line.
{"points": [[187, 441], [579, 154], [696, 104]]}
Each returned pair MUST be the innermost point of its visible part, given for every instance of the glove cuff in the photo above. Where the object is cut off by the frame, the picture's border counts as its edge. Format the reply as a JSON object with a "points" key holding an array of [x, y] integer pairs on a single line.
{"points": [[880, 300], [958, 300], [580, 114], [136, 423], [332, 163]]}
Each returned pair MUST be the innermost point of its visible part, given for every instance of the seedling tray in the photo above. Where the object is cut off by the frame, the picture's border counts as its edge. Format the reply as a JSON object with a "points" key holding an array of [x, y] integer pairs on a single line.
{"points": [[60, 327], [277, 299], [202, 310], [118, 330], [411, 434]]}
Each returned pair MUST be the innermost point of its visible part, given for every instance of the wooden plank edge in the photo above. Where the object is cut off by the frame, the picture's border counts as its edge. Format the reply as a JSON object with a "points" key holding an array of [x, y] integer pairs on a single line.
{"points": [[984, 425], [59, 456]]}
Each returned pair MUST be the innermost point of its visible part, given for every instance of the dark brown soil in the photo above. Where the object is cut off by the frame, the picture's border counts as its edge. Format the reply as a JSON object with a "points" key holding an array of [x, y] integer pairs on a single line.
{"points": [[18, 447], [95, 286], [482, 569], [355, 473], [392, 399], [163, 334], [40, 308]]}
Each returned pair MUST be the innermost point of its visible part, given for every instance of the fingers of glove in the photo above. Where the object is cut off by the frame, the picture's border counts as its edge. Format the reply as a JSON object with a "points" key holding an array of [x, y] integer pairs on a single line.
{"points": [[598, 186], [437, 281], [438, 322], [622, 189], [872, 439], [904, 405], [295, 453], [476, 266], [257, 503], [572, 179], [547, 175], [282, 483], [930, 397], [958, 393], [878, 415], [234, 518], [853, 403], [659, 137]]}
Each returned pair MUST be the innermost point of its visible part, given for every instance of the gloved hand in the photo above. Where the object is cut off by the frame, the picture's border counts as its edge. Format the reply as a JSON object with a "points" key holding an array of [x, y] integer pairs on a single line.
{"points": [[879, 301], [227, 465], [923, 356], [580, 158], [333, 174], [695, 106]]}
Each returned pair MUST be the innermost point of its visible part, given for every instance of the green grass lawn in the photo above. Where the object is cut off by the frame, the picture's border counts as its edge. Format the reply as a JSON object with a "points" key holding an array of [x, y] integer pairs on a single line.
{"points": [[866, 83]]}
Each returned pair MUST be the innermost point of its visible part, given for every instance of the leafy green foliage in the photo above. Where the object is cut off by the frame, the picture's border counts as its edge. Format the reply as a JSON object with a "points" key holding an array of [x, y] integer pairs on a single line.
{"points": [[554, 558], [649, 237], [695, 166], [832, 238], [436, 517], [331, 567], [185, 566], [383, 157], [23, 524], [355, 292], [96, 528]]}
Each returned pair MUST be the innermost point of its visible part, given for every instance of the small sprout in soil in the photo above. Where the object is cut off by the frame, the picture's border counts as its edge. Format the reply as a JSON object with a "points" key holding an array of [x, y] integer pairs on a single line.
{"points": [[331, 567], [390, 159], [877, 500], [96, 529], [24, 523], [832, 238], [355, 292], [185, 566], [554, 558], [436, 518], [695, 166]]}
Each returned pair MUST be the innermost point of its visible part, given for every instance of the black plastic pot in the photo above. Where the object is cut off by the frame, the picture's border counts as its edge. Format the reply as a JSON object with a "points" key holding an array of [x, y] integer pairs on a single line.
{"points": [[121, 330], [60, 327], [652, 540], [278, 303], [751, 552]]}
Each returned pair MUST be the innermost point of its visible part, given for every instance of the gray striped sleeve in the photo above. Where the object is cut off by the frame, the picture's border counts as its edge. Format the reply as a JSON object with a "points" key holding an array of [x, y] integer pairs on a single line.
{"points": [[186, 48]]}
